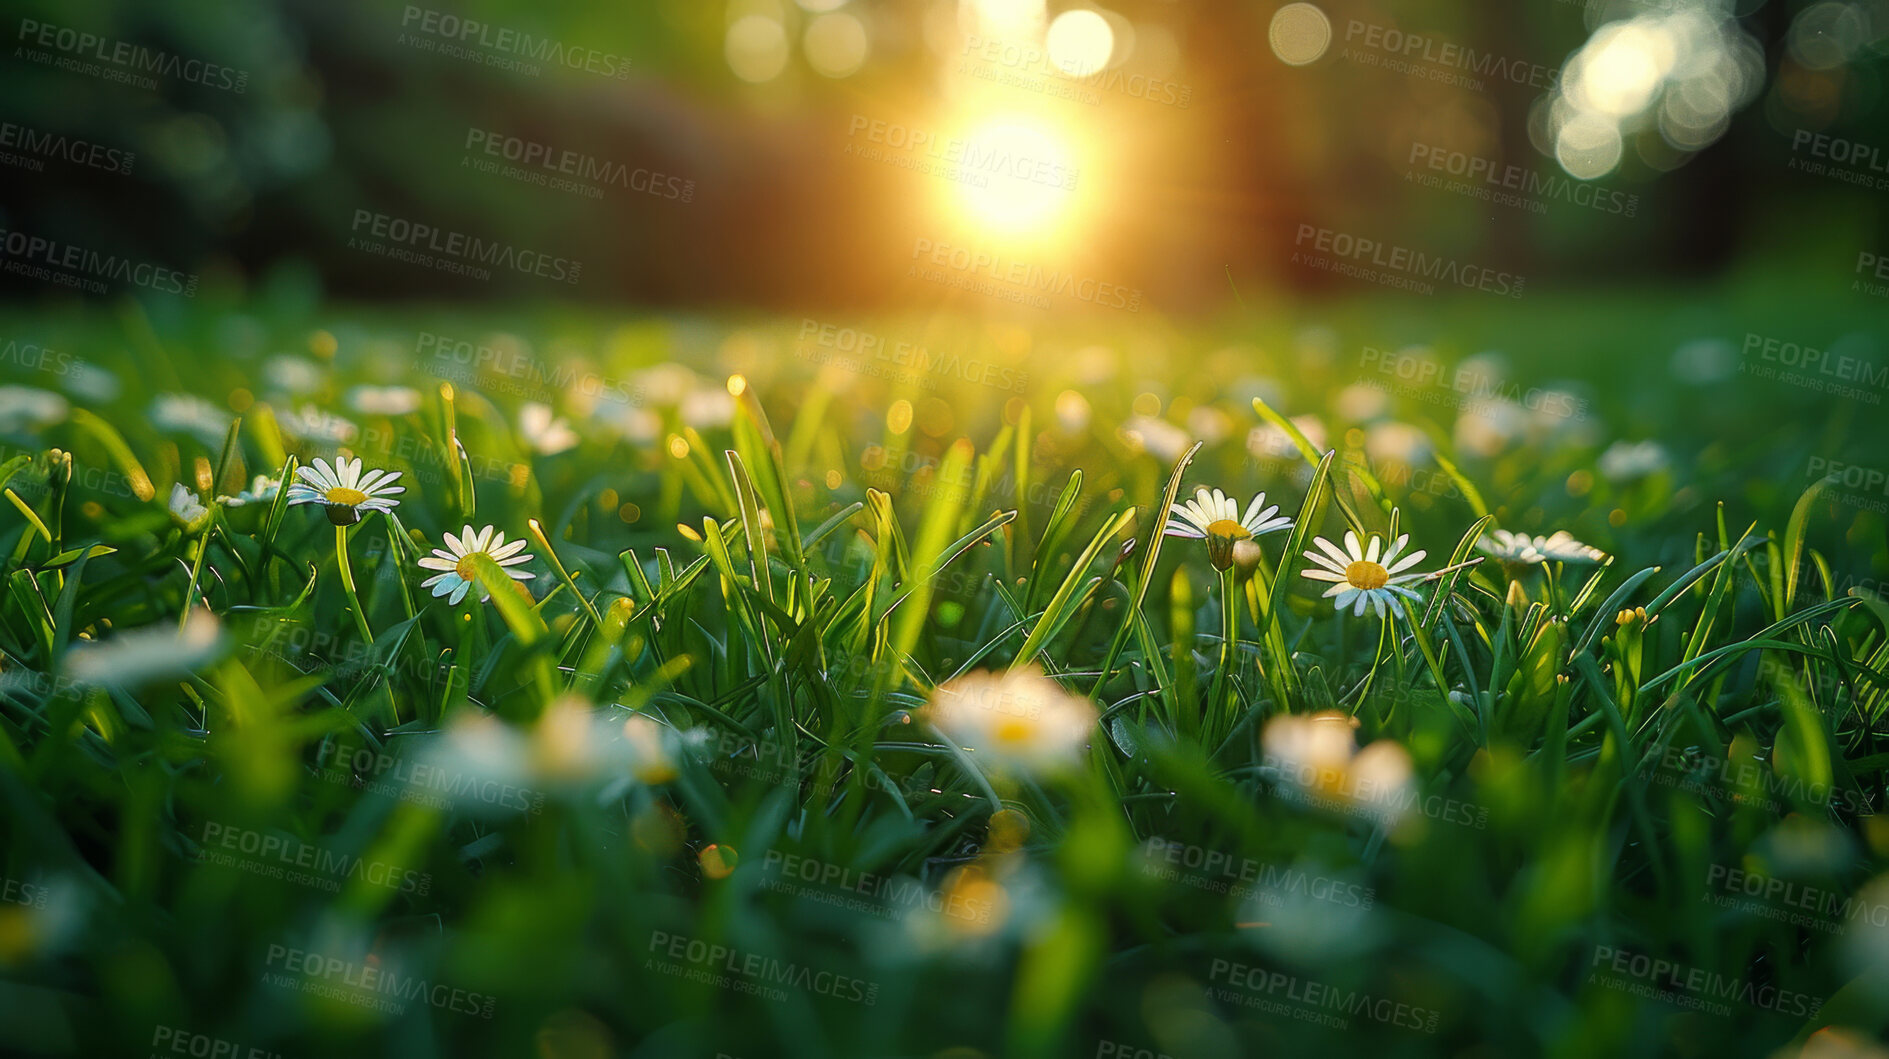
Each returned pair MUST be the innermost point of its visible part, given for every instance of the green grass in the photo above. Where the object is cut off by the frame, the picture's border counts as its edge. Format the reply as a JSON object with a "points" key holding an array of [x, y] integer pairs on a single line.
{"points": [[242, 837]]}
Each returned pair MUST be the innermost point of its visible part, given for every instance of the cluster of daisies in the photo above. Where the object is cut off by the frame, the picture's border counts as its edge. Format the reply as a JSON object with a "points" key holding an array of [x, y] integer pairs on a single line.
{"points": [[1371, 574], [1020, 720], [347, 494]]}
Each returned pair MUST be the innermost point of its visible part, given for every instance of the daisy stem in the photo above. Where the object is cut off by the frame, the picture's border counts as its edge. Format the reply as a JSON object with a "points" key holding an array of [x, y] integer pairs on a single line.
{"points": [[347, 583], [1229, 637], [196, 572]]}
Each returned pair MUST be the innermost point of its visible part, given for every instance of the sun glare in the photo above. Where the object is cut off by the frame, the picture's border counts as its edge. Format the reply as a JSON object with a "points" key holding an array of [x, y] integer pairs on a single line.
{"points": [[1015, 178]]}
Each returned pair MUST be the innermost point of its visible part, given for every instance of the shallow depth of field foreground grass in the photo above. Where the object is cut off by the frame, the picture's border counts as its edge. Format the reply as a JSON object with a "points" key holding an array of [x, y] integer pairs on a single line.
{"points": [[853, 702]]}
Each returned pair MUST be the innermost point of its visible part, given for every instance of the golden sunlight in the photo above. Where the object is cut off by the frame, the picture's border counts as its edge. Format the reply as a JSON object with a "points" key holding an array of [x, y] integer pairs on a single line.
{"points": [[1015, 178]]}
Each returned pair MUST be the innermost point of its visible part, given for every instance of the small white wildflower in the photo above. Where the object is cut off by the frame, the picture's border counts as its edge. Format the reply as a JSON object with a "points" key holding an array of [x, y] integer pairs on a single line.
{"points": [[456, 562], [545, 433], [344, 491]]}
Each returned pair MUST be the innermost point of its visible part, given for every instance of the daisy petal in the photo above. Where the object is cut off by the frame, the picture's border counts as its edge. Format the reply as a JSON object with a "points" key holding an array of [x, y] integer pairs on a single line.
{"points": [[1331, 549]]}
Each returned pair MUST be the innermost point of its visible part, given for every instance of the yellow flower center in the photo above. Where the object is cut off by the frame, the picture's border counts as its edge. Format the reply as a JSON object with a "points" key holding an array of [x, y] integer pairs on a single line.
{"points": [[1226, 527], [465, 569], [1013, 730], [1367, 575], [341, 494]]}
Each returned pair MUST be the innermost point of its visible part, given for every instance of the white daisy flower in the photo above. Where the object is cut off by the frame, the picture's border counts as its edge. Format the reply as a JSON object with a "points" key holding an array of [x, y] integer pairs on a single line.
{"points": [[547, 435], [384, 400], [1364, 576], [344, 491], [29, 409], [262, 490], [187, 510], [1018, 719], [1216, 517], [1521, 548], [455, 562]]}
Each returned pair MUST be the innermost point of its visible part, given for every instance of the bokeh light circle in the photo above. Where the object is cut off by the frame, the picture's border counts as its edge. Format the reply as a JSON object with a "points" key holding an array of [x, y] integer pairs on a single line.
{"points": [[1080, 42], [1300, 34], [756, 48], [836, 45]]}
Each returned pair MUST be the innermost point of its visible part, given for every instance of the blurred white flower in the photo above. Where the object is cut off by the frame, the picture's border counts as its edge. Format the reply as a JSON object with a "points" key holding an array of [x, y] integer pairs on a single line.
{"points": [[29, 409], [1481, 372], [1315, 759], [187, 510], [1209, 424], [291, 374], [1487, 427], [1555, 410], [313, 424], [652, 750], [1072, 412], [145, 655], [1627, 460], [707, 409], [262, 490], [1361, 402], [1560, 547], [1158, 437], [485, 764], [634, 423], [384, 400], [1018, 719], [1267, 442], [543, 432], [1398, 443], [565, 743], [190, 414], [93, 384], [666, 384]]}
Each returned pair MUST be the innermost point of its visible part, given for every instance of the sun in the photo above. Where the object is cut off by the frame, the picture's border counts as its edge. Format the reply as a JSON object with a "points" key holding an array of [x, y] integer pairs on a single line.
{"points": [[1014, 178]]}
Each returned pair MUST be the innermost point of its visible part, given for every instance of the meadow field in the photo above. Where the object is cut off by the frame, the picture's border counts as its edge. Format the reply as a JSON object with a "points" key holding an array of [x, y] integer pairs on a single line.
{"points": [[865, 685]]}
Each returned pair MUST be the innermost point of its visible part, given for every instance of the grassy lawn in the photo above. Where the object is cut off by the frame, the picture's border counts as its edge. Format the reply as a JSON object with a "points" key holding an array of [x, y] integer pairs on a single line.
{"points": [[861, 691]]}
